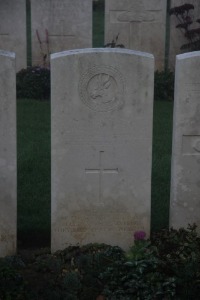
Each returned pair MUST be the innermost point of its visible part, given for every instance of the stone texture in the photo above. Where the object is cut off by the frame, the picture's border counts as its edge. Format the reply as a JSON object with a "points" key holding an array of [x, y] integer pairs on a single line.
{"points": [[69, 26], [8, 171], [102, 105], [185, 178], [13, 29], [177, 38], [140, 24]]}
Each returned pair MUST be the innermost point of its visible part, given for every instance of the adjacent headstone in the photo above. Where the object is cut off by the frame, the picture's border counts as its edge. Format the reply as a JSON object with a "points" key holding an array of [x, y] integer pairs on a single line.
{"points": [[13, 29], [140, 25], [177, 38], [8, 170], [102, 105], [58, 26], [185, 178]]}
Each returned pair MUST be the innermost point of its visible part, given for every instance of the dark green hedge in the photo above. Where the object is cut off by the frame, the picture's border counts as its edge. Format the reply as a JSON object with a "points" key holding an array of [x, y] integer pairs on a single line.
{"points": [[33, 83], [98, 4]]}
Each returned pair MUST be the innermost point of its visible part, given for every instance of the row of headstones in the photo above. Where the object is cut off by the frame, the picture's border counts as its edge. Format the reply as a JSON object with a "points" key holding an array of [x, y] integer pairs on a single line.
{"points": [[55, 26], [101, 122], [66, 24]]}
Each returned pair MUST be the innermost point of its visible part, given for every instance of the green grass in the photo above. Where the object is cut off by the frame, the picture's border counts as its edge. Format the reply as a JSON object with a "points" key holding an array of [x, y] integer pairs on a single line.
{"points": [[161, 164], [34, 189]]}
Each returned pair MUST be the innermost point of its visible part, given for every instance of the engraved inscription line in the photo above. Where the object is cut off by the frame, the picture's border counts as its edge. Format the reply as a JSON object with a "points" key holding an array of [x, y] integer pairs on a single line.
{"points": [[193, 87], [100, 171]]}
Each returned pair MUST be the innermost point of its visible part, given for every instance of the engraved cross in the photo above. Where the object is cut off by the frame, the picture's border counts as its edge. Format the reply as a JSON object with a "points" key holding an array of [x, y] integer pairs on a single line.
{"points": [[101, 171]]}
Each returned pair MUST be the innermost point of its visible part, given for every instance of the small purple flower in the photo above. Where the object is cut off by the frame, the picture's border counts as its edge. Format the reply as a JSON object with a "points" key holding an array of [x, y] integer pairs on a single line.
{"points": [[139, 235]]}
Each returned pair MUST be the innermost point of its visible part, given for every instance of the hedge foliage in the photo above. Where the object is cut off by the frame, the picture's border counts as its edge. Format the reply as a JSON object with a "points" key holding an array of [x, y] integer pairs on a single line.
{"points": [[167, 267], [33, 83]]}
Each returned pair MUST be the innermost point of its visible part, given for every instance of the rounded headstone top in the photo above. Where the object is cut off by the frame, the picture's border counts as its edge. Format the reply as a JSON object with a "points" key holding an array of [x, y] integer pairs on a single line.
{"points": [[188, 55], [101, 50]]}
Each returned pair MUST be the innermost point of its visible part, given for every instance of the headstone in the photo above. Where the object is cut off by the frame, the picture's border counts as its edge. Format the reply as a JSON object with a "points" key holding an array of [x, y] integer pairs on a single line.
{"points": [[177, 38], [13, 29], [185, 178], [8, 169], [58, 26], [102, 105], [140, 25]]}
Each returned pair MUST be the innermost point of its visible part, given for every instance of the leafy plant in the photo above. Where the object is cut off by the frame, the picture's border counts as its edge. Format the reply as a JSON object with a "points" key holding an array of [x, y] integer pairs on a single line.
{"points": [[88, 262], [186, 25], [11, 281], [33, 82], [167, 267], [138, 276], [179, 251]]}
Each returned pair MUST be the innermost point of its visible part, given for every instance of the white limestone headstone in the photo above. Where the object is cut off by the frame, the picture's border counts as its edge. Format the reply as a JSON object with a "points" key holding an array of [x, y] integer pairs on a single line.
{"points": [[13, 30], [185, 177], [102, 106], [58, 26], [140, 25], [8, 169]]}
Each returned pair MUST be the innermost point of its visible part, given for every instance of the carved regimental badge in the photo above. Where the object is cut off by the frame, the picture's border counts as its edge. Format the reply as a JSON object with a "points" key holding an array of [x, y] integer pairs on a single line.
{"points": [[102, 88]]}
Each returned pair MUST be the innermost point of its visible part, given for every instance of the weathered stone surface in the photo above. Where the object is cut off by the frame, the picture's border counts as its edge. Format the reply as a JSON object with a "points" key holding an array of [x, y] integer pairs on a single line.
{"points": [[140, 25], [13, 29], [177, 38], [185, 178], [102, 105], [8, 171], [61, 25]]}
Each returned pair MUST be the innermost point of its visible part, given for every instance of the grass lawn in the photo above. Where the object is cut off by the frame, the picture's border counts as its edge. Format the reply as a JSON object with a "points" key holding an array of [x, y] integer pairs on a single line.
{"points": [[34, 169], [161, 164], [34, 190]]}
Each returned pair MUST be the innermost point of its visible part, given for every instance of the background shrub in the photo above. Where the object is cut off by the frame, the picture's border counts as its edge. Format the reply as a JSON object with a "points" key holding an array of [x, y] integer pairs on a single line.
{"points": [[164, 85], [98, 4], [33, 83], [179, 251], [187, 25]]}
